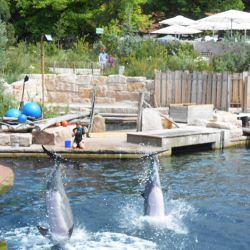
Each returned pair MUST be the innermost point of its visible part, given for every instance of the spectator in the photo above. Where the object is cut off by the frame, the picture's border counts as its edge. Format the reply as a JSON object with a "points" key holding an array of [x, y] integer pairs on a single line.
{"points": [[111, 60], [103, 58]]}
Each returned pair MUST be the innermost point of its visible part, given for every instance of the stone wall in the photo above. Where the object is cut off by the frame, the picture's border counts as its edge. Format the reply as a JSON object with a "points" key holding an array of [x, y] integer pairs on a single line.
{"points": [[69, 89]]}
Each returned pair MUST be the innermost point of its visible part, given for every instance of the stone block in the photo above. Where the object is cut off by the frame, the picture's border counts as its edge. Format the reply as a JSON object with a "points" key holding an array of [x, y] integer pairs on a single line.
{"points": [[105, 100], [21, 139], [83, 79], [136, 79], [126, 96], [136, 86], [99, 80], [116, 79], [66, 78], [85, 92], [187, 113], [117, 87], [101, 91], [4, 139], [59, 97], [51, 83]]}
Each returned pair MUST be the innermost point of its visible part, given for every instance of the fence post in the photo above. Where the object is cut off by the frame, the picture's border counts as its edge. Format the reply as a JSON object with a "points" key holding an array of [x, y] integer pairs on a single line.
{"points": [[246, 93], [139, 115], [157, 91], [228, 92]]}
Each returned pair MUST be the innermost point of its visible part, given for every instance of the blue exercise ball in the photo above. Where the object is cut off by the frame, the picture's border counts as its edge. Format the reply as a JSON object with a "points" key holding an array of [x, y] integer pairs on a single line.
{"points": [[22, 118], [13, 113], [32, 109]]}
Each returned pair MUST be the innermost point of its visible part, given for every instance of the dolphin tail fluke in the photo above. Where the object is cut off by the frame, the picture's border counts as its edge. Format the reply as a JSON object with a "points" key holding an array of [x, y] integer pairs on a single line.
{"points": [[43, 231], [70, 231], [59, 159]]}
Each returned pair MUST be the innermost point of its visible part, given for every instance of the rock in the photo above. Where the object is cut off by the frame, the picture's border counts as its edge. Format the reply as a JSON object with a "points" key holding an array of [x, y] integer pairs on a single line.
{"points": [[116, 79], [43, 138], [136, 79], [136, 86], [98, 124], [151, 120], [220, 125], [61, 134], [4, 139], [21, 139]]}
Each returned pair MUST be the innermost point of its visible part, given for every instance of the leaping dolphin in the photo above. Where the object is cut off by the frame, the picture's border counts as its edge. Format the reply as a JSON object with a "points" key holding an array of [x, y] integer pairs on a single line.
{"points": [[59, 212], [153, 197]]}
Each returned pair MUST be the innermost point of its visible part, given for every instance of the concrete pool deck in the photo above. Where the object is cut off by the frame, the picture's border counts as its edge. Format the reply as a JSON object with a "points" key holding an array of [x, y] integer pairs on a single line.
{"points": [[129, 144], [99, 145]]}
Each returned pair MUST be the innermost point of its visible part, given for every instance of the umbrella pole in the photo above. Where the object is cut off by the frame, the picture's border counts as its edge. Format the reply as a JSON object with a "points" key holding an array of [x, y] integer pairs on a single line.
{"points": [[231, 27]]}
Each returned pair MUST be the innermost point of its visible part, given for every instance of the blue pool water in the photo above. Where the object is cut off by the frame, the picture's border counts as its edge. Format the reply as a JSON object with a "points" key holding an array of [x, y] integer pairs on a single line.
{"points": [[207, 200]]}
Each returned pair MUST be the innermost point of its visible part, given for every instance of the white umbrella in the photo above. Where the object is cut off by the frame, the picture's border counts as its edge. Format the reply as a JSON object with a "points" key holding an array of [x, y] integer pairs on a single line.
{"points": [[176, 30], [180, 20], [230, 17]]}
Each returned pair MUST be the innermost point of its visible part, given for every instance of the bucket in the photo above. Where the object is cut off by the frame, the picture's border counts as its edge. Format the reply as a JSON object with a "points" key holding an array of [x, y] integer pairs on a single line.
{"points": [[67, 144]]}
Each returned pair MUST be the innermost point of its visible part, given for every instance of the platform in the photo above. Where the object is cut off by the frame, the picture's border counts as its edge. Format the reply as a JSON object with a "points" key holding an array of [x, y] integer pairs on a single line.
{"points": [[179, 137]]}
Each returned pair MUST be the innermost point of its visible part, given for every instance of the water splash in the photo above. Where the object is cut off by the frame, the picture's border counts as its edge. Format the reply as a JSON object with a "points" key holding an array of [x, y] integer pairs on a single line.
{"points": [[176, 212], [29, 238]]}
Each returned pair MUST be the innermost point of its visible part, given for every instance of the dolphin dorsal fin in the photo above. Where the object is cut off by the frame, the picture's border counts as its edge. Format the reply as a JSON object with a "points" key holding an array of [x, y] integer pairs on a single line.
{"points": [[43, 231]]}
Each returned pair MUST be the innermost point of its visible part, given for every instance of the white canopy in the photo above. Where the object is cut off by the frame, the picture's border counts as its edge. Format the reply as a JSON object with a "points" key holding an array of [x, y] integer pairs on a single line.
{"points": [[227, 20], [229, 16], [180, 20], [176, 30]]}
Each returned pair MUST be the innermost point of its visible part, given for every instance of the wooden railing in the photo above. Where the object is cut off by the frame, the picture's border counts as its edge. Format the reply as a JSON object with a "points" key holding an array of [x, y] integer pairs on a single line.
{"points": [[224, 90]]}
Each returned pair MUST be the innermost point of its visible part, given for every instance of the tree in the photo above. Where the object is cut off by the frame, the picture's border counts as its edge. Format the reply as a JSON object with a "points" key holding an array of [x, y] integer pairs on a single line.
{"points": [[190, 8], [3, 42]]}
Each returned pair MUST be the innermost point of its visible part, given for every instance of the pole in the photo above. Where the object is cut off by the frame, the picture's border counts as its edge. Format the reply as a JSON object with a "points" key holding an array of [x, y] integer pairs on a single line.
{"points": [[42, 67]]}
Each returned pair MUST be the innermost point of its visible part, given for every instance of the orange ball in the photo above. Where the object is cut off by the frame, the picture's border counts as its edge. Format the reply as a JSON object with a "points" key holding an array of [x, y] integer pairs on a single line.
{"points": [[64, 123]]}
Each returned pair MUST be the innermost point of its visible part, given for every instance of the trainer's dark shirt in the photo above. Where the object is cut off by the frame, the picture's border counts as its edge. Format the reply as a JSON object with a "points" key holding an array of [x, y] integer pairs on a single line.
{"points": [[79, 132]]}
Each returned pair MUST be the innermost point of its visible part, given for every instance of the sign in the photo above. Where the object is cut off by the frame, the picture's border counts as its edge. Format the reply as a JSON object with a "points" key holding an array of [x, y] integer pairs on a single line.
{"points": [[99, 31]]}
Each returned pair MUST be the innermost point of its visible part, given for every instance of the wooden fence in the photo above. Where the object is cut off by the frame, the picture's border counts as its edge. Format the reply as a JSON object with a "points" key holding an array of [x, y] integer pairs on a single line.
{"points": [[224, 90]]}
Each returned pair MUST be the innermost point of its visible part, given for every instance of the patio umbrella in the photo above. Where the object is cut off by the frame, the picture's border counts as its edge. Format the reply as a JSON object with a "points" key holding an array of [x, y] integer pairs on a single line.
{"points": [[176, 30], [180, 20], [230, 17]]}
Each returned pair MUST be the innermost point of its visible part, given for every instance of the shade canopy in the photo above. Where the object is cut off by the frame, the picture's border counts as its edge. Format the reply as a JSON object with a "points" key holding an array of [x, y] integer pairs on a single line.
{"points": [[220, 26], [228, 16], [176, 30], [180, 20]]}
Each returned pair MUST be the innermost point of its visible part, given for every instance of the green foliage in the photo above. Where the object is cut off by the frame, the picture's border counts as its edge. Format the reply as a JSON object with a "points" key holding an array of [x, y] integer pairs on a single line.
{"points": [[3, 42], [49, 112], [7, 102], [236, 59], [22, 59]]}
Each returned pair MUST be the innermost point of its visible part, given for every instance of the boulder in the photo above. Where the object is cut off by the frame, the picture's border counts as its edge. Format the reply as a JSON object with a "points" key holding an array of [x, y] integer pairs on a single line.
{"points": [[98, 124]]}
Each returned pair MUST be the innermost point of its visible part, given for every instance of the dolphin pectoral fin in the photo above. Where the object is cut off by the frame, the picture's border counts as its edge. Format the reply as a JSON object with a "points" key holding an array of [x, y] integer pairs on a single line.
{"points": [[143, 194], [43, 231], [70, 231]]}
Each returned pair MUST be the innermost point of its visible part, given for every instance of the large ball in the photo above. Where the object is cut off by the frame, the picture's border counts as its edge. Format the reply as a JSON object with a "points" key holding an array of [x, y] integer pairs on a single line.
{"points": [[13, 113], [32, 109], [22, 118]]}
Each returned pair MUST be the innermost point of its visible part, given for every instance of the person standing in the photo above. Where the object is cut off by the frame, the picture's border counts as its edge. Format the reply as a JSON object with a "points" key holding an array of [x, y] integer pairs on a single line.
{"points": [[103, 58], [78, 133]]}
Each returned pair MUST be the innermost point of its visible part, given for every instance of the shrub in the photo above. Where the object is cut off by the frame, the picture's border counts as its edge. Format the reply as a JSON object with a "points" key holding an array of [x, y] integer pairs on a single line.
{"points": [[7, 102]]}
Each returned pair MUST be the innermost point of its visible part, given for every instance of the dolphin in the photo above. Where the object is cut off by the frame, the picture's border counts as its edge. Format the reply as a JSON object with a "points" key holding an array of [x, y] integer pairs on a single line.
{"points": [[153, 197], [59, 212]]}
